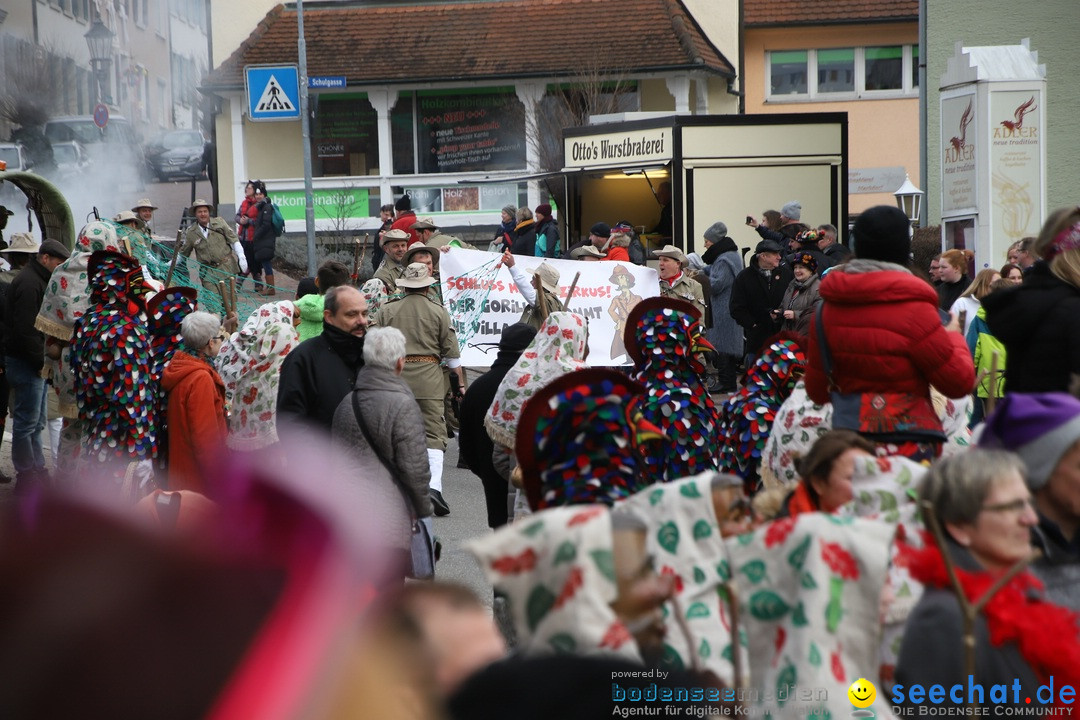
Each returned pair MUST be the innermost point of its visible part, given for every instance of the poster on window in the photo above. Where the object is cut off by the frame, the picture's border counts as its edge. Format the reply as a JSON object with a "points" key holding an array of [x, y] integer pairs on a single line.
{"points": [[1016, 137], [464, 133]]}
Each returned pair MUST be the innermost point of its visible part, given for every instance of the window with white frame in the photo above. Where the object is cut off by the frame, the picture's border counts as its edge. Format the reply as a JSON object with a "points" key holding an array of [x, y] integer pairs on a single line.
{"points": [[842, 73]]}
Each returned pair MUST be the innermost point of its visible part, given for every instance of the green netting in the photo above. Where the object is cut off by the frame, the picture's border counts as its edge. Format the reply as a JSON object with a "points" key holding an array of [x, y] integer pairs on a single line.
{"points": [[470, 306], [157, 257]]}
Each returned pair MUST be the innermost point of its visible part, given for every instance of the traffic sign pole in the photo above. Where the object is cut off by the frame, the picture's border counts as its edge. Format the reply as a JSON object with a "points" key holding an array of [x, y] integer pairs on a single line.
{"points": [[305, 131]]}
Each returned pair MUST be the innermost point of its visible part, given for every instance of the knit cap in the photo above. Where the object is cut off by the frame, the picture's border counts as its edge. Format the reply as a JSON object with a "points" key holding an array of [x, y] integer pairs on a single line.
{"points": [[792, 211], [1039, 427]]}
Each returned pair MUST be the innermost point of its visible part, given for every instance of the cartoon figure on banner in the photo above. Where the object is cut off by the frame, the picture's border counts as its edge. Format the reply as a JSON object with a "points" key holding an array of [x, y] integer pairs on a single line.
{"points": [[620, 307]]}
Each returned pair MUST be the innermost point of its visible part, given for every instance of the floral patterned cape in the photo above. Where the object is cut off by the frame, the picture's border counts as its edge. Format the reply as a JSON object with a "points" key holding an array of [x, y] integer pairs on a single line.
{"points": [[558, 348], [684, 539], [557, 569], [809, 590], [250, 366]]}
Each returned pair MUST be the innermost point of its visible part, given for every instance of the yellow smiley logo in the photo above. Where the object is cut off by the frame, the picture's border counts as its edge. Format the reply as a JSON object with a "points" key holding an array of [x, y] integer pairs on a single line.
{"points": [[862, 693]]}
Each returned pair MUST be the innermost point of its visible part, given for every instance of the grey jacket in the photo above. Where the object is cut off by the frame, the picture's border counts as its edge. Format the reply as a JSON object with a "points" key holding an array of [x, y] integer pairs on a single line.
{"points": [[725, 334], [395, 424]]}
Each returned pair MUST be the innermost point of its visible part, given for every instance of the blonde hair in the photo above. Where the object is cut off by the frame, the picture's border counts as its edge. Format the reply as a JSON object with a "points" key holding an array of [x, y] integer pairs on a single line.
{"points": [[1066, 265], [980, 286]]}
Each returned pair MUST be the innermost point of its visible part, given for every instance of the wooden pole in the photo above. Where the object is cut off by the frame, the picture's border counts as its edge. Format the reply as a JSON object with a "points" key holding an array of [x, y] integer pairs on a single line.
{"points": [[541, 301], [570, 294], [224, 297], [175, 255], [356, 260], [232, 292]]}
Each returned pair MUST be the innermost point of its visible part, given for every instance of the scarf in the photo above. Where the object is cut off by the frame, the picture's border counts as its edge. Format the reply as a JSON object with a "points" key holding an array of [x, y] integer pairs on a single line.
{"points": [[250, 366], [557, 349], [347, 345], [718, 248], [1045, 634], [556, 568]]}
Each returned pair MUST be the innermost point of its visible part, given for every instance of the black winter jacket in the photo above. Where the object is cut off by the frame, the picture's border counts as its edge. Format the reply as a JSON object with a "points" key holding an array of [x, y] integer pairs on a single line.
{"points": [[1039, 324], [753, 296], [315, 377], [265, 238], [524, 240], [24, 297]]}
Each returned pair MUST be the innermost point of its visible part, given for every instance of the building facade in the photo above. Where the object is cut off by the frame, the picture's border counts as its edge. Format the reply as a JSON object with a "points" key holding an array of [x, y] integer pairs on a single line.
{"points": [[159, 52], [424, 98], [855, 57]]}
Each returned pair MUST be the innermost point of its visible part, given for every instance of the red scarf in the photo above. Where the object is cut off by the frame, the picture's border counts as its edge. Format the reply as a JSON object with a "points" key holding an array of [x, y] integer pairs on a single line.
{"points": [[1046, 634], [672, 281]]}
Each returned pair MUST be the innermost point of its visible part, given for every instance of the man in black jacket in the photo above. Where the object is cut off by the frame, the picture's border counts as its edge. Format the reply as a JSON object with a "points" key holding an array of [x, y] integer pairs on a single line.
{"points": [[756, 296], [24, 357], [474, 443], [321, 371]]}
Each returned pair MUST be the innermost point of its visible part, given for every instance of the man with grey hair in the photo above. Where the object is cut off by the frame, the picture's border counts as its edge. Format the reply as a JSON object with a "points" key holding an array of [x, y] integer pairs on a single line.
{"points": [[386, 456], [723, 263], [321, 371], [828, 245]]}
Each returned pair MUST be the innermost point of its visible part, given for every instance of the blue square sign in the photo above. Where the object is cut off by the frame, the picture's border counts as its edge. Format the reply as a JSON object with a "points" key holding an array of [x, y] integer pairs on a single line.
{"points": [[273, 92]]}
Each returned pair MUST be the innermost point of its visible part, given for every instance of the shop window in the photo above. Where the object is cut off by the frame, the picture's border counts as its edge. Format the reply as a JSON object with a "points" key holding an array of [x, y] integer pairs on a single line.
{"points": [[788, 72], [402, 135], [344, 135], [482, 130]]}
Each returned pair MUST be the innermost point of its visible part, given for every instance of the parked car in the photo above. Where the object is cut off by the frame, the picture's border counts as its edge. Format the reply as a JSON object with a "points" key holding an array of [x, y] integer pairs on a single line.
{"points": [[114, 146], [71, 158], [177, 153], [15, 157]]}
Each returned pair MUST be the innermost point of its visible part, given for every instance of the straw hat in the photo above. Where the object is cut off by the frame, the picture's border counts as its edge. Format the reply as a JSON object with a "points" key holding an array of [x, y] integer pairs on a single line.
{"points": [[416, 277], [549, 277], [670, 251], [22, 243]]}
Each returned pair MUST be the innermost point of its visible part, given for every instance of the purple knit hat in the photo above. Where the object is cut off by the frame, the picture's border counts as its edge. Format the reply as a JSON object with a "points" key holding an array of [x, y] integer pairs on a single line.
{"points": [[1039, 427]]}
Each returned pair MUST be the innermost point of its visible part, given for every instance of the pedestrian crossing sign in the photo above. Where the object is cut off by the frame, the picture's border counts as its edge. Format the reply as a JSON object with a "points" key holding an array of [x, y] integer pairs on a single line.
{"points": [[273, 92]]}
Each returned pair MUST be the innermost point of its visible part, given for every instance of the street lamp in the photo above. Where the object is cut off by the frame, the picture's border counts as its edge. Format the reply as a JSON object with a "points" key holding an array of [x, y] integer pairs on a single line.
{"points": [[909, 199], [99, 40]]}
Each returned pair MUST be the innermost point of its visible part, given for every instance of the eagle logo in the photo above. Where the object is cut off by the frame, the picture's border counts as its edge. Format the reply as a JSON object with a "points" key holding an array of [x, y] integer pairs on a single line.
{"points": [[959, 143], [1018, 115]]}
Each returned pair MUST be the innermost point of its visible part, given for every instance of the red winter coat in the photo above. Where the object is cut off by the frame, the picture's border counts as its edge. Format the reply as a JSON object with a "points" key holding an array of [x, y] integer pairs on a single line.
{"points": [[196, 418], [405, 222], [885, 334]]}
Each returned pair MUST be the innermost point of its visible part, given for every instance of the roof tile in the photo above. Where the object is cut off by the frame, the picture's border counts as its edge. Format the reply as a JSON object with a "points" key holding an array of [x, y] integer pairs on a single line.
{"points": [[429, 42], [827, 12]]}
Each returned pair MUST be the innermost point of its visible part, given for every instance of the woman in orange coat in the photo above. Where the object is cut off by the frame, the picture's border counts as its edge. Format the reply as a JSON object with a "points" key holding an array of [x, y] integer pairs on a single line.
{"points": [[196, 404]]}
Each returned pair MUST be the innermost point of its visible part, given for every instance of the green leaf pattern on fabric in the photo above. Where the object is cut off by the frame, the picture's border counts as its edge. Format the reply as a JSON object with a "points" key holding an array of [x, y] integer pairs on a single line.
{"points": [[567, 552], [815, 655], [697, 610], [834, 611], [798, 556], [668, 537], [689, 490], [605, 563], [538, 605], [754, 571], [785, 681], [704, 651], [656, 496], [702, 530], [532, 530], [768, 605], [563, 643]]}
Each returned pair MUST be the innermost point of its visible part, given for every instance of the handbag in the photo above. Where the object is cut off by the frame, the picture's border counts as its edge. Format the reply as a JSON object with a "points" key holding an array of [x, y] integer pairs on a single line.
{"points": [[424, 549], [879, 416]]}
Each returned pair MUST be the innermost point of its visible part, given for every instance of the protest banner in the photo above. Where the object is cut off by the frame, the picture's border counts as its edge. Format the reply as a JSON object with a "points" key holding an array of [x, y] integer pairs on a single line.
{"points": [[482, 299]]}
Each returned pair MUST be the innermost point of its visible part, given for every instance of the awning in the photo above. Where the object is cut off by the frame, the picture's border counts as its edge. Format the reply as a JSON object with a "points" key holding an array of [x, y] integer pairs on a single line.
{"points": [[491, 180]]}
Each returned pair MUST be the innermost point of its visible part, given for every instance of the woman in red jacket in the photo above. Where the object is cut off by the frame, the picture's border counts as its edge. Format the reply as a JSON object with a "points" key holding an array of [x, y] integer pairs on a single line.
{"points": [[196, 404], [888, 343]]}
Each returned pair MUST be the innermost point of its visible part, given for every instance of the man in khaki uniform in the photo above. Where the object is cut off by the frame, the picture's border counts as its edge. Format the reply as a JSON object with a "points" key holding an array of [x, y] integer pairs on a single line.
{"points": [[544, 280], [429, 339], [430, 257], [674, 282], [430, 234], [145, 210], [212, 239], [394, 243]]}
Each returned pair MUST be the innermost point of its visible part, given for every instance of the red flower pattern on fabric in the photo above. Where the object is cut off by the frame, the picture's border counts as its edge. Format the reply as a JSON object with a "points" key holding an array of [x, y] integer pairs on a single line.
{"points": [[514, 564], [778, 531], [570, 587], [616, 636], [839, 560]]}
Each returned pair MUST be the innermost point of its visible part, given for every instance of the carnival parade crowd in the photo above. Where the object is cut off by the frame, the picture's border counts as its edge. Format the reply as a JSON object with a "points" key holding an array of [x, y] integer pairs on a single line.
{"points": [[821, 469]]}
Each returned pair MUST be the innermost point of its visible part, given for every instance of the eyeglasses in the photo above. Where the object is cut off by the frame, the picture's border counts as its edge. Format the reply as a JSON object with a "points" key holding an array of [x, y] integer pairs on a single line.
{"points": [[1013, 506], [221, 337]]}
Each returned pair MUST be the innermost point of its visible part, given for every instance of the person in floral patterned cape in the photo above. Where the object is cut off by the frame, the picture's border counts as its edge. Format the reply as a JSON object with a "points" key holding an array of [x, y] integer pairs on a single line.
{"points": [[250, 365], [687, 521], [809, 591], [114, 385], [582, 439], [746, 418], [663, 337], [576, 582]]}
